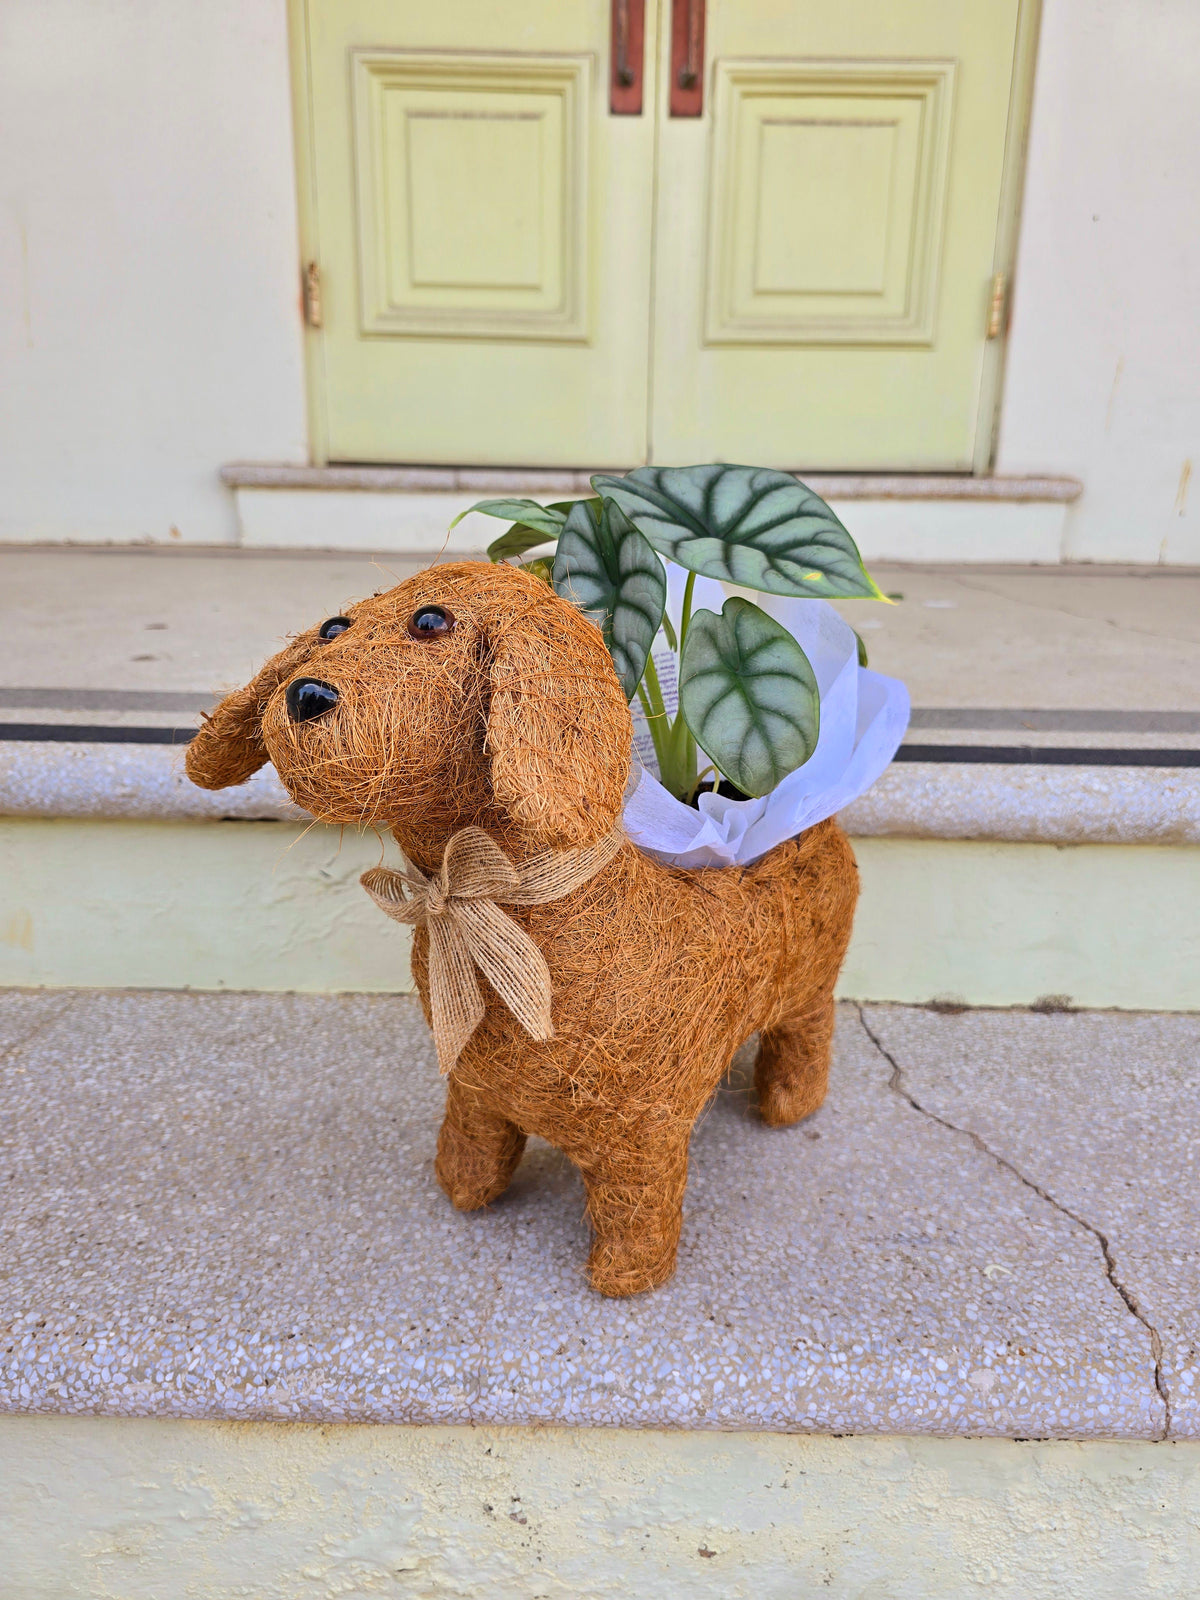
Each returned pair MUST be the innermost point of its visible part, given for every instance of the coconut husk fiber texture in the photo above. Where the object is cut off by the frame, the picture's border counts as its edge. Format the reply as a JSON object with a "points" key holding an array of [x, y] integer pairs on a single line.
{"points": [[512, 720]]}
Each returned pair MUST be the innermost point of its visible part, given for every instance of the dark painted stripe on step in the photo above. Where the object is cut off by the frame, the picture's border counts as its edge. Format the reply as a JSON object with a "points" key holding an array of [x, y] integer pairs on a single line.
{"points": [[974, 754], [1046, 755], [1064, 720], [85, 733], [978, 719]]}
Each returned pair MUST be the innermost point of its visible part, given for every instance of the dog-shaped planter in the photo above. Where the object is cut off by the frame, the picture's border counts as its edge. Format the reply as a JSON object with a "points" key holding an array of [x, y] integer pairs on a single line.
{"points": [[473, 696]]}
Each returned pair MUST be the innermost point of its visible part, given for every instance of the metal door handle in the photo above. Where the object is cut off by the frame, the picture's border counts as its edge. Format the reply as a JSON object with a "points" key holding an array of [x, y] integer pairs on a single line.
{"points": [[690, 70], [687, 58], [628, 55]]}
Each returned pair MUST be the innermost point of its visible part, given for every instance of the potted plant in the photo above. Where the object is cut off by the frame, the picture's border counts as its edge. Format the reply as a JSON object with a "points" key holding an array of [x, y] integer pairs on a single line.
{"points": [[585, 979], [742, 707]]}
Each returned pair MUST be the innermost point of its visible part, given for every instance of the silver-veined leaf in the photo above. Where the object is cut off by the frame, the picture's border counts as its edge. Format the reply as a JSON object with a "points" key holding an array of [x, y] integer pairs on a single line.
{"points": [[749, 695], [605, 567], [746, 525]]}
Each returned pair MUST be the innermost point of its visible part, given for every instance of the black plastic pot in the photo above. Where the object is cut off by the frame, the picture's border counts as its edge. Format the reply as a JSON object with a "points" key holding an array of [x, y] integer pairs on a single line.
{"points": [[729, 790]]}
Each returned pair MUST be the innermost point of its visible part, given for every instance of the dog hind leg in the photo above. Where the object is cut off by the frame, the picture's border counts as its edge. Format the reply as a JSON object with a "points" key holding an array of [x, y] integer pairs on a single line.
{"points": [[478, 1151], [792, 1071]]}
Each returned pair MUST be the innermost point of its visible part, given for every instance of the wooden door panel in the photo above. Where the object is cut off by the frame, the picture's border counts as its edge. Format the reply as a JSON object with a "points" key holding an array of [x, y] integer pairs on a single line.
{"points": [[842, 192], [829, 194], [472, 185]]}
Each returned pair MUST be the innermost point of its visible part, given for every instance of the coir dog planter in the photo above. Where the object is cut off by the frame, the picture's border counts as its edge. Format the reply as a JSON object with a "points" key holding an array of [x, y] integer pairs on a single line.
{"points": [[578, 988]]}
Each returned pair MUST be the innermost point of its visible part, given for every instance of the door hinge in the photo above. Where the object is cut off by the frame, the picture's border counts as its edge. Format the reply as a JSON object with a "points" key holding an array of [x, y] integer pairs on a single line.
{"points": [[312, 295], [997, 306]]}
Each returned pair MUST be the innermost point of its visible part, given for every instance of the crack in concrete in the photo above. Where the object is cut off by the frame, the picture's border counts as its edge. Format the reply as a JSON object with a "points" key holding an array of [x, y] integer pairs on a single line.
{"points": [[896, 1085]]}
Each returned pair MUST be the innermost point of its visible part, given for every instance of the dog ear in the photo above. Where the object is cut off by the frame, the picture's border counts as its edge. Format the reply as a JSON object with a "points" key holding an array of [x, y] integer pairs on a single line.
{"points": [[558, 727], [229, 747]]}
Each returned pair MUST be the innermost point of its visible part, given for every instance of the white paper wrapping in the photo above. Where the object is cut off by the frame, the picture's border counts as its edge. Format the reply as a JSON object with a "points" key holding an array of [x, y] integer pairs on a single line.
{"points": [[863, 718]]}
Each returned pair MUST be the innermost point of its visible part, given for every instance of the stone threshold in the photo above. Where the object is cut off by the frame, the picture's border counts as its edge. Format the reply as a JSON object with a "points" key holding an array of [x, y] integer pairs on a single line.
{"points": [[537, 481], [409, 510]]}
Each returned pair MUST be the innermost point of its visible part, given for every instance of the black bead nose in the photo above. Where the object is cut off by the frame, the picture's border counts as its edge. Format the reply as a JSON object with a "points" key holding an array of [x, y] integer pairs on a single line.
{"points": [[308, 698]]}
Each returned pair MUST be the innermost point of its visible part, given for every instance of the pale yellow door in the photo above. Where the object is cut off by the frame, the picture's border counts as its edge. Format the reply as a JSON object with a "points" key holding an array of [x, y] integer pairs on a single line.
{"points": [[511, 275], [483, 228], [826, 234]]}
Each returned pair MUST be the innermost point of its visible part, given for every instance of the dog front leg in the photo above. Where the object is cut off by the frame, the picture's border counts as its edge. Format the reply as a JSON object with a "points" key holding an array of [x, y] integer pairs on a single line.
{"points": [[478, 1150], [635, 1207]]}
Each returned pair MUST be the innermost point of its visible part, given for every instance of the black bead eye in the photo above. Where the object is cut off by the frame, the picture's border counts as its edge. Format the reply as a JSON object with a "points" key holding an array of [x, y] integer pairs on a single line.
{"points": [[431, 622], [332, 627]]}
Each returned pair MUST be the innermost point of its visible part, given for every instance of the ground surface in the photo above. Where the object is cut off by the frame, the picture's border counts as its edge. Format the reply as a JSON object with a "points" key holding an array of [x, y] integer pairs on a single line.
{"points": [[224, 1206], [1082, 637]]}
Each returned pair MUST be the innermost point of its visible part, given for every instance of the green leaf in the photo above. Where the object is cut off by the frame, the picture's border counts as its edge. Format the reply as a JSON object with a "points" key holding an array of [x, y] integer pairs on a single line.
{"points": [[605, 567], [516, 541], [524, 536], [862, 648], [745, 525], [749, 695], [529, 513]]}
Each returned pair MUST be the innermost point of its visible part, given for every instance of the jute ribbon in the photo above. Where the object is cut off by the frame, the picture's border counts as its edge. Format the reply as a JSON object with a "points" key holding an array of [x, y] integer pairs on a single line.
{"points": [[460, 907]]}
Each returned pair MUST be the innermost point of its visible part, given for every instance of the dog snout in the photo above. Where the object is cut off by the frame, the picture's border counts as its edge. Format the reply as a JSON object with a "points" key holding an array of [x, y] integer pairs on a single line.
{"points": [[308, 698]]}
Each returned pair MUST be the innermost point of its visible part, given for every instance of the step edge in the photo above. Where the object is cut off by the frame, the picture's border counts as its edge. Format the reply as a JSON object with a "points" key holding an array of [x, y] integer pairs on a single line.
{"points": [[240, 475], [1025, 803]]}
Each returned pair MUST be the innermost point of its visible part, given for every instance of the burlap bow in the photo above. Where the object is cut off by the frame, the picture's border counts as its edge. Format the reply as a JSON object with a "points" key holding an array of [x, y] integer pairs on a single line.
{"points": [[460, 907]]}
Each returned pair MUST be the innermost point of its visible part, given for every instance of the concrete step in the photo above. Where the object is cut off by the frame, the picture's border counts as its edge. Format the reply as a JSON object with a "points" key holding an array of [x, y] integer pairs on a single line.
{"points": [[939, 1341], [223, 1206], [1035, 838]]}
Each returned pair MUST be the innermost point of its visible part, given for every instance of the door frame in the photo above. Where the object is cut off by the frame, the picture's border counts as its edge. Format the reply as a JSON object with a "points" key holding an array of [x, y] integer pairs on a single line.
{"points": [[1008, 229], [1012, 185]]}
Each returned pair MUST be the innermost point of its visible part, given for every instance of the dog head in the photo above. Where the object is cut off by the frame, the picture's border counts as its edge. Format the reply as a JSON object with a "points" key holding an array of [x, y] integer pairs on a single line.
{"points": [[468, 693]]}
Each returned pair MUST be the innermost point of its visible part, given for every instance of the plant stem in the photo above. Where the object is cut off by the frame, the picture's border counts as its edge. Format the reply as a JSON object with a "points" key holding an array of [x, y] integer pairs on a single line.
{"points": [[683, 751], [653, 689], [673, 742], [679, 776], [686, 615], [700, 777], [650, 695]]}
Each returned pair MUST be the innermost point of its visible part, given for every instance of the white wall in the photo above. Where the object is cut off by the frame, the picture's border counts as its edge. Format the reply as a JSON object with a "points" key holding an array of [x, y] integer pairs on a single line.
{"points": [[1103, 376], [149, 328]]}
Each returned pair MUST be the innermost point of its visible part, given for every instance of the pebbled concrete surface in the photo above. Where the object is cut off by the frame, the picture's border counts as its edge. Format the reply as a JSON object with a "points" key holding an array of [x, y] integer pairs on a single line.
{"points": [[1099, 1112], [223, 1206]]}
